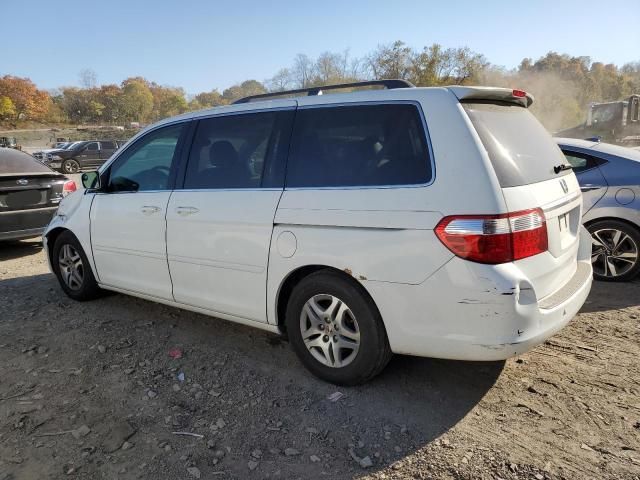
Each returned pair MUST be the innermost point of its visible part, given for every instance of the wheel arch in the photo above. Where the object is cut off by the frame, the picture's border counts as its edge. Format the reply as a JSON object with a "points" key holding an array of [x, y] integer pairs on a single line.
{"points": [[614, 219], [294, 277], [51, 237]]}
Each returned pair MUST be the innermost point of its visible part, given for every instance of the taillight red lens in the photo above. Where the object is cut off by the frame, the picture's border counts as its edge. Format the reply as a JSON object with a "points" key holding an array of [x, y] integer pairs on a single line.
{"points": [[495, 239], [68, 187], [519, 93]]}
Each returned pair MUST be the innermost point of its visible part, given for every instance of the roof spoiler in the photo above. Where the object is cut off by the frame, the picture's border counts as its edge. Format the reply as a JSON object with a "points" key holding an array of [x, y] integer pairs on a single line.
{"points": [[469, 94]]}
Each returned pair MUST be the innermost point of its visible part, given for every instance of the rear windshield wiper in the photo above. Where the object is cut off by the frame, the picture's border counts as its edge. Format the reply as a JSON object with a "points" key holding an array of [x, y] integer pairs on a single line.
{"points": [[562, 168]]}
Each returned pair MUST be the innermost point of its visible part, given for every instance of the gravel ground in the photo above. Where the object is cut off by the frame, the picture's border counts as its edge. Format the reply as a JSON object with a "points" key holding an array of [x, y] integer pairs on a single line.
{"points": [[89, 390]]}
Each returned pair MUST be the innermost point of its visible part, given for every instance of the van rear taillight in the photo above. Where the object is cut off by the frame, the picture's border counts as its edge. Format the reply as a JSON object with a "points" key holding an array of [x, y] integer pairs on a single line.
{"points": [[495, 238]]}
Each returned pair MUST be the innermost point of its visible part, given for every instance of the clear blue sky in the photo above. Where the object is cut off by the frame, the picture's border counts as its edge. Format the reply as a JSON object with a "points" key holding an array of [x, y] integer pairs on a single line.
{"points": [[200, 44]]}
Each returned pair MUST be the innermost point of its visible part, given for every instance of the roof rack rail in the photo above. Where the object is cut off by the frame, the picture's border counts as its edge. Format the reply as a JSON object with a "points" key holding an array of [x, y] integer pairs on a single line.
{"points": [[310, 91]]}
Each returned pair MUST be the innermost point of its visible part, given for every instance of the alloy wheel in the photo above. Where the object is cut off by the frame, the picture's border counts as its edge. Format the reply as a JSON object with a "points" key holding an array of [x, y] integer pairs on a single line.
{"points": [[330, 330], [71, 167], [613, 252], [71, 267]]}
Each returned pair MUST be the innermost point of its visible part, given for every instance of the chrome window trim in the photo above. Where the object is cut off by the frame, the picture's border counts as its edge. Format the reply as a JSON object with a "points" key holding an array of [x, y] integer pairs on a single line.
{"points": [[418, 106], [244, 112], [415, 103], [251, 189], [130, 192]]}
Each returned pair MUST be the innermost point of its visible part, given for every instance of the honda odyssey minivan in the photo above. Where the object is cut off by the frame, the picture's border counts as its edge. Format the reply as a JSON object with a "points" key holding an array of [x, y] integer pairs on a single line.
{"points": [[439, 222]]}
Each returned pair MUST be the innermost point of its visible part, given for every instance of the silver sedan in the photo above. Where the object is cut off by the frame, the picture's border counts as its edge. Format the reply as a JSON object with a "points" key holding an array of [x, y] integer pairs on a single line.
{"points": [[609, 177]]}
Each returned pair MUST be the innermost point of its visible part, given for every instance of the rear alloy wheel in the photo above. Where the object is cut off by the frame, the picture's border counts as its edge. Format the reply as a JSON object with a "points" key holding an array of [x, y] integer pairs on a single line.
{"points": [[330, 330], [71, 266], [336, 330], [615, 252], [70, 166]]}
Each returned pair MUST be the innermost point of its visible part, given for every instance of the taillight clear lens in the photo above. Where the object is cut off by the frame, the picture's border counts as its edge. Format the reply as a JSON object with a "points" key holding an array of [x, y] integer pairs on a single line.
{"points": [[495, 239], [68, 187]]}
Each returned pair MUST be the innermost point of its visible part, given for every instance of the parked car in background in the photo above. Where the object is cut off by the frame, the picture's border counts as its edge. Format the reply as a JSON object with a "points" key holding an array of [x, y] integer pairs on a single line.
{"points": [[9, 142], [405, 220], [29, 194], [80, 155], [42, 154], [609, 177]]}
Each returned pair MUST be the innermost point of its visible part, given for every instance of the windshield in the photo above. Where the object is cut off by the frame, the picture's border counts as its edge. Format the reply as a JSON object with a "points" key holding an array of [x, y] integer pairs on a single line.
{"points": [[606, 113], [521, 150]]}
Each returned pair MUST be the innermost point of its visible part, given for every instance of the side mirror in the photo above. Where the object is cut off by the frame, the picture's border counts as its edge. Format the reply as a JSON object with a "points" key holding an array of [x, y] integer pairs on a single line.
{"points": [[91, 180]]}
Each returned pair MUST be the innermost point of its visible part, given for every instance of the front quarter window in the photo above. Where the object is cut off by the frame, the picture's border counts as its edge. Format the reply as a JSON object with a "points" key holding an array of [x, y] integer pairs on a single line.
{"points": [[146, 165]]}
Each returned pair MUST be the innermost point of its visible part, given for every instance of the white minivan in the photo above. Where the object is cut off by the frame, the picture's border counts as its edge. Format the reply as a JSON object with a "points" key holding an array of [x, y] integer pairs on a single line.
{"points": [[438, 222]]}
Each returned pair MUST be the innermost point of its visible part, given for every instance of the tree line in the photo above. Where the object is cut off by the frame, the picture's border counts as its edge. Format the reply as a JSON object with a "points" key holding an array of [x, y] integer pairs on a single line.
{"points": [[563, 85]]}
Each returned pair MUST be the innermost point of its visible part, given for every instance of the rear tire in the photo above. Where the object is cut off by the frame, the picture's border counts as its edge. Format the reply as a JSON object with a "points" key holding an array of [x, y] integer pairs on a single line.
{"points": [[336, 330], [72, 268], [616, 250]]}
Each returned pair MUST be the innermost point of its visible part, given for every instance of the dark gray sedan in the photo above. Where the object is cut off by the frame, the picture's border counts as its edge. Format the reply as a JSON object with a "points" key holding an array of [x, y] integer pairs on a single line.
{"points": [[609, 177], [29, 194]]}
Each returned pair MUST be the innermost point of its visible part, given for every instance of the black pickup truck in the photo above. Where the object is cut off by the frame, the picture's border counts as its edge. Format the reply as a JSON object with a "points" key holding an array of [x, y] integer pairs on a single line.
{"points": [[80, 155]]}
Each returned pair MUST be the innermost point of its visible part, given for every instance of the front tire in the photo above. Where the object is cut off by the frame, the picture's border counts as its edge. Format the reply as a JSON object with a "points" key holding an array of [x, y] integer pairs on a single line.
{"points": [[70, 166], [615, 254], [72, 268], [336, 330]]}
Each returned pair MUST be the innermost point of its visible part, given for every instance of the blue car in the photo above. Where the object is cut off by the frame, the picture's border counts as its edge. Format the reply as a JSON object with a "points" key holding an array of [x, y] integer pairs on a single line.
{"points": [[609, 178]]}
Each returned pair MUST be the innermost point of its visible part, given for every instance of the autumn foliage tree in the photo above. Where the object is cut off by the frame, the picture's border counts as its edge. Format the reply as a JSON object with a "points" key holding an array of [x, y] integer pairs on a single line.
{"points": [[7, 108], [28, 102], [563, 85]]}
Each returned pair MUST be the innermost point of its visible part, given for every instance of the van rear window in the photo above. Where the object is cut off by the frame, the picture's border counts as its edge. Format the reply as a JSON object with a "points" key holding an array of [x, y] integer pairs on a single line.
{"points": [[359, 145], [520, 149]]}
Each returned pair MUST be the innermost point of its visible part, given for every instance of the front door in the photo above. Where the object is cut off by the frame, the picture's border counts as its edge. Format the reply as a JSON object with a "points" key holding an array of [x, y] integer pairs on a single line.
{"points": [[89, 155], [106, 150], [128, 224], [219, 224]]}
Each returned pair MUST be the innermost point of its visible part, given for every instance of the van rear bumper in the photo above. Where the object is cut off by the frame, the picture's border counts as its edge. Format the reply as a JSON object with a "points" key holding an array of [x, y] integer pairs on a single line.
{"points": [[548, 321], [469, 311]]}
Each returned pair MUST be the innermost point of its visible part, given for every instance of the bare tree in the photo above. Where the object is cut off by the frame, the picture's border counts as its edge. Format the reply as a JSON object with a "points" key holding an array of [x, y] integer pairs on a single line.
{"points": [[302, 70], [281, 80], [392, 61], [88, 78]]}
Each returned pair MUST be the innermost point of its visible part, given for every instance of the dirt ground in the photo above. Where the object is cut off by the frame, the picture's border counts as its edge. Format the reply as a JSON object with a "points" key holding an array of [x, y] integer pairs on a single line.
{"points": [[89, 390]]}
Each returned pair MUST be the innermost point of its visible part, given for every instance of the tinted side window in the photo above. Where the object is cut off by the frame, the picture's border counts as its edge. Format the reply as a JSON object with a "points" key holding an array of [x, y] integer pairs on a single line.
{"points": [[146, 165], [108, 145], [93, 146], [580, 162], [363, 145], [234, 151]]}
